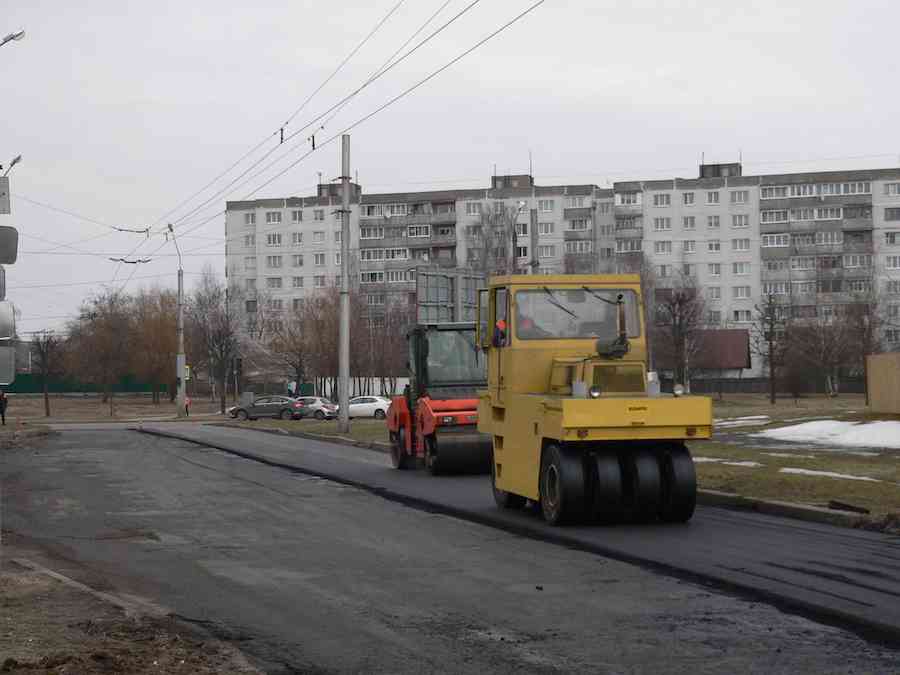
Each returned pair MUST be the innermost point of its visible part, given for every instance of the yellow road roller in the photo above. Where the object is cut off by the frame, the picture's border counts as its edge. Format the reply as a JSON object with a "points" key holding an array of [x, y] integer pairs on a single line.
{"points": [[572, 424]]}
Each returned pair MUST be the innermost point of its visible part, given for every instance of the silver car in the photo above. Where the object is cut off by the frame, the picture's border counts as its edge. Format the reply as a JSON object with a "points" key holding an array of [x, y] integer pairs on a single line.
{"points": [[318, 407]]}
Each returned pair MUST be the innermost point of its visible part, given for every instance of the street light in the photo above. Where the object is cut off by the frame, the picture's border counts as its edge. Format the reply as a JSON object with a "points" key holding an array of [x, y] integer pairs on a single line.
{"points": [[18, 35], [15, 160], [179, 359], [515, 237]]}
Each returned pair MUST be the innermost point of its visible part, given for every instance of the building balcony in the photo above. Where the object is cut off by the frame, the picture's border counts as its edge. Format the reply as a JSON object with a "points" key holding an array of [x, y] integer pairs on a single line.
{"points": [[578, 213], [857, 224], [628, 209], [443, 239], [578, 235], [414, 219]]}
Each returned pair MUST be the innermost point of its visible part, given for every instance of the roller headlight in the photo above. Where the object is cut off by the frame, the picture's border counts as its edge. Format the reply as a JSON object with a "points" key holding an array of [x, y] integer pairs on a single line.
{"points": [[594, 392], [678, 390]]}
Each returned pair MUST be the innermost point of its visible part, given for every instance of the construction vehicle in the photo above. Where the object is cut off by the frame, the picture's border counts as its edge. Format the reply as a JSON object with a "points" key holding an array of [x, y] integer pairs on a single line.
{"points": [[434, 421], [572, 423]]}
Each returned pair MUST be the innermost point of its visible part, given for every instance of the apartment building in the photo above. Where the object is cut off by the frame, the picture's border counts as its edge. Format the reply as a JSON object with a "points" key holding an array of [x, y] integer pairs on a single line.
{"points": [[278, 251]]}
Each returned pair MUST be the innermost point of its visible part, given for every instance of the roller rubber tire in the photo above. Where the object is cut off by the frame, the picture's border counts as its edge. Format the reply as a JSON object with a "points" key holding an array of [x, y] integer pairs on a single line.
{"points": [[379, 414], [319, 415], [241, 415], [504, 499], [432, 457], [679, 485], [399, 459], [607, 489], [643, 485], [562, 486]]}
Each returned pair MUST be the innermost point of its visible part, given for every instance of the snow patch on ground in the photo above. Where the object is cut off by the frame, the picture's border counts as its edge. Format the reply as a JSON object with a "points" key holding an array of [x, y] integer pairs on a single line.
{"points": [[827, 474], [749, 464], [702, 460], [833, 432], [788, 454], [749, 421], [720, 460]]}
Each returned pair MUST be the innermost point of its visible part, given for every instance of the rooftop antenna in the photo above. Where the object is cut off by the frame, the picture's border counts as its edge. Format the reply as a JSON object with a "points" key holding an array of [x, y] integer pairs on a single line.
{"points": [[740, 156], [530, 164]]}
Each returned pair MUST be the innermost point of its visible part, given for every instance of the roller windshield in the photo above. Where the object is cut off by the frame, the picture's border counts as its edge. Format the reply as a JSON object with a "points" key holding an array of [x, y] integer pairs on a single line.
{"points": [[566, 313], [452, 358]]}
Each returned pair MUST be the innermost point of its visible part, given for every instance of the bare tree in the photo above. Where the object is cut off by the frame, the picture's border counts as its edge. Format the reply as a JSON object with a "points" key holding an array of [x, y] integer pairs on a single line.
{"points": [[215, 329], [864, 322], [769, 339], [290, 344], [154, 342], [47, 361], [490, 241], [680, 316]]}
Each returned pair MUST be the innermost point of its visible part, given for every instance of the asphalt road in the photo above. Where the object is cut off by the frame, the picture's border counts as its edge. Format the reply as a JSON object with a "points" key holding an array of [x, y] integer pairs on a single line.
{"points": [[309, 575]]}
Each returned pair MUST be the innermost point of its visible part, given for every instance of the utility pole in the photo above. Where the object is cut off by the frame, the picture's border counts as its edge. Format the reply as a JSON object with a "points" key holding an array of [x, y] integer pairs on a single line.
{"points": [[344, 335], [179, 359]]}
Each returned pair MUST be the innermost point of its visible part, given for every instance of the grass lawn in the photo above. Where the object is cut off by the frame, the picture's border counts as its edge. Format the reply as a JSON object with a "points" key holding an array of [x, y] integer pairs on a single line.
{"points": [[29, 409], [364, 430], [845, 406]]}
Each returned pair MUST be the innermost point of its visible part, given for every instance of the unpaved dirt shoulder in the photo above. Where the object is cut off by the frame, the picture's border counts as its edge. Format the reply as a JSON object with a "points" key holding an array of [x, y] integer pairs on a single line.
{"points": [[48, 626]]}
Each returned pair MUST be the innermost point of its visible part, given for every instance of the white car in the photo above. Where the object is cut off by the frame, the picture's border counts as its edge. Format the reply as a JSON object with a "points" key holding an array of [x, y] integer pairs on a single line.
{"points": [[369, 406]]}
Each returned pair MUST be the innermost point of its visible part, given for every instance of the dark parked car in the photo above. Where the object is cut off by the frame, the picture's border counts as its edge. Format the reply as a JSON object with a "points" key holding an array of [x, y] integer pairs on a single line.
{"points": [[271, 406]]}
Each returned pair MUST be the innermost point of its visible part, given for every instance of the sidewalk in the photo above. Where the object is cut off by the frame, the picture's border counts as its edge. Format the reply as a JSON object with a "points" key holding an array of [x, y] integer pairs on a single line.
{"points": [[52, 624]]}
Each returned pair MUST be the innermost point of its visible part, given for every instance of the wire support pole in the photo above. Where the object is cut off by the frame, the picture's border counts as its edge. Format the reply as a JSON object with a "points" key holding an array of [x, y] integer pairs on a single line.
{"points": [[344, 334]]}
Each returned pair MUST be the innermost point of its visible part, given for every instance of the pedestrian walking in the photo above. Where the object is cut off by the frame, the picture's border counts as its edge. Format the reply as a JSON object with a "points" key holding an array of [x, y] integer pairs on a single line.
{"points": [[187, 406], [3, 403]]}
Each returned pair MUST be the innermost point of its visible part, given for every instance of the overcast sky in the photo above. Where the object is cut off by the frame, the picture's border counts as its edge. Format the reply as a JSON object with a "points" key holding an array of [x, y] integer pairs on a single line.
{"points": [[123, 109]]}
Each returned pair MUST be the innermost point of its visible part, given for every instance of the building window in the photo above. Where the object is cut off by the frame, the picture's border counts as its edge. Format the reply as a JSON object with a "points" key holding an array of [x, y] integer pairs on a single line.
{"points": [[521, 251], [249, 240], [662, 224], [418, 231], [829, 213], [296, 282], [375, 299], [712, 222], [319, 260], [859, 285], [740, 292], [713, 246], [273, 239], [296, 238], [776, 240], [892, 214], [741, 316], [318, 214], [273, 261], [546, 251], [775, 288], [319, 237], [773, 192], [250, 306], [778, 216], [297, 260], [273, 217], [806, 213], [522, 229], [805, 239], [250, 284], [689, 222], [687, 198], [662, 199], [892, 189], [662, 247], [337, 236], [249, 263], [337, 259], [296, 216], [397, 276], [739, 196], [663, 271], [740, 269], [545, 205], [603, 207], [892, 238], [688, 270], [892, 335], [297, 303], [319, 281], [740, 221], [714, 292], [690, 246], [714, 317], [579, 225], [804, 287], [579, 247], [714, 269], [776, 265], [628, 245], [712, 197], [803, 263], [273, 282], [857, 260], [628, 198], [893, 286], [575, 202], [371, 232], [473, 208], [892, 262], [371, 277], [826, 238], [545, 229], [249, 219], [740, 244]]}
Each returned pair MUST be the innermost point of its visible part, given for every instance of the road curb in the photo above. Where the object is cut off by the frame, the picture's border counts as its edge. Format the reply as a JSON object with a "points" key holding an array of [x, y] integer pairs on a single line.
{"points": [[868, 628], [377, 446]]}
